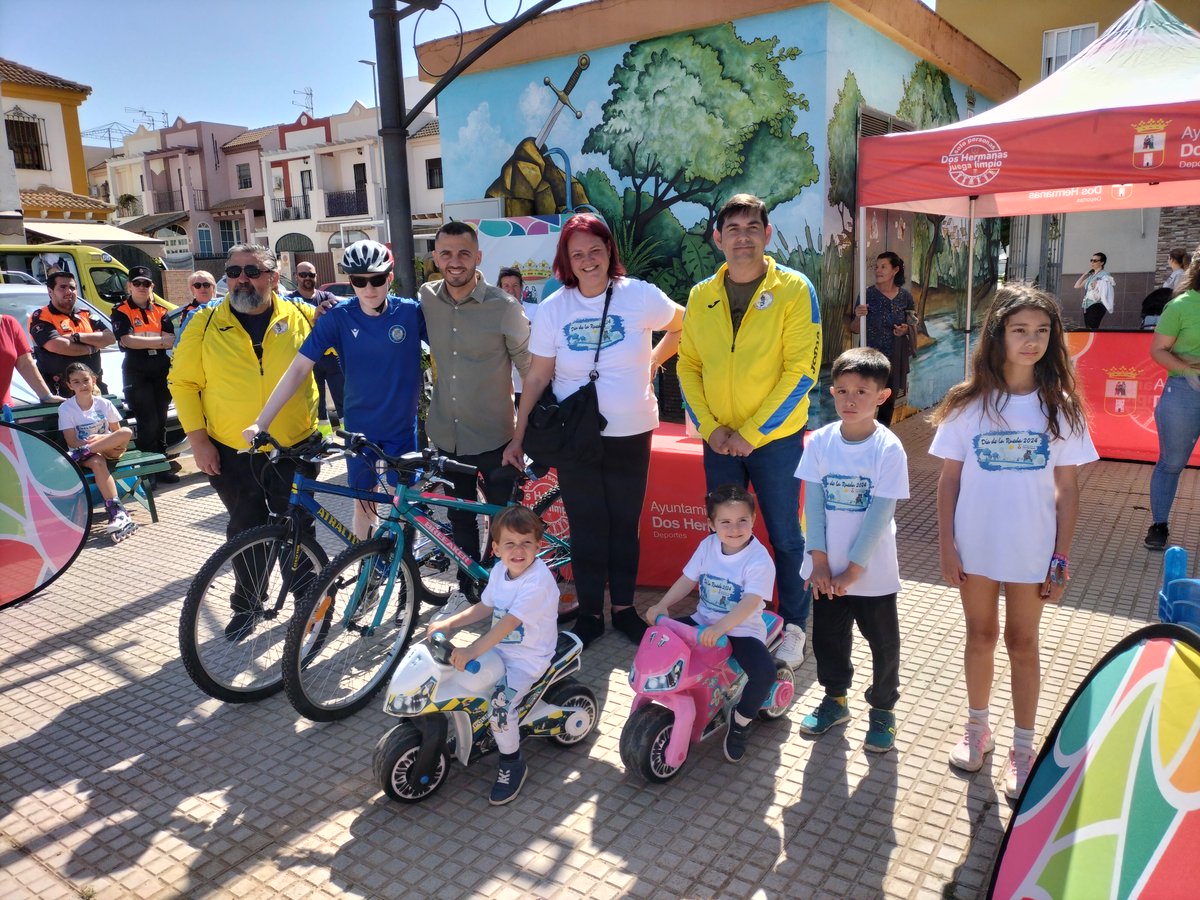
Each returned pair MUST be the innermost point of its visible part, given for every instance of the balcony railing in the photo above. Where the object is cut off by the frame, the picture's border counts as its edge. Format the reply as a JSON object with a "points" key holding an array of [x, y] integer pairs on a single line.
{"points": [[345, 203], [168, 201], [199, 198], [283, 210]]}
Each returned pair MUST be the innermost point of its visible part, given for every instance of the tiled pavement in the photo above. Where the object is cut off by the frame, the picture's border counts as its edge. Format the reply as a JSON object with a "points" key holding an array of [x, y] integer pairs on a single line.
{"points": [[118, 778]]}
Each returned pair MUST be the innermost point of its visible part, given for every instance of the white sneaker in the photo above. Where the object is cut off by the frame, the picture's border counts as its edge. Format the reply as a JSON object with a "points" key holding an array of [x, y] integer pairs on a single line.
{"points": [[968, 754], [791, 651], [455, 603], [119, 522], [1020, 762]]}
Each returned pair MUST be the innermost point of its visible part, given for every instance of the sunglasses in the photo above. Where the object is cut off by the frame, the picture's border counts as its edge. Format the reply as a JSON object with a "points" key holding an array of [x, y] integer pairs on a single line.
{"points": [[142, 282], [251, 271], [201, 285], [306, 274], [361, 281], [1095, 259]]}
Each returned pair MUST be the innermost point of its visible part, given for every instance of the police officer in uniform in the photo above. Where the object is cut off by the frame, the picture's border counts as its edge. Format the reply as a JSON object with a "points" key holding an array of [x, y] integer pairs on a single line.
{"points": [[62, 335], [144, 332]]}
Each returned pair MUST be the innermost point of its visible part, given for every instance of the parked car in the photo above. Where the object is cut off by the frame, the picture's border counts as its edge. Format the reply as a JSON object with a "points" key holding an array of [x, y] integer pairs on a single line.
{"points": [[14, 277], [20, 301], [339, 288], [103, 281]]}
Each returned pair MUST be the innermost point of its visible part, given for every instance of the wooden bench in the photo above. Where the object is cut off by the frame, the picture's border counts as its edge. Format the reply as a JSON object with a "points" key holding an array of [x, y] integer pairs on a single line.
{"points": [[131, 472]]}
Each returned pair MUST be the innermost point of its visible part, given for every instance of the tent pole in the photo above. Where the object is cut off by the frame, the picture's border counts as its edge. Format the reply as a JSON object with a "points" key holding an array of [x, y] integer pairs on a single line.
{"points": [[970, 284], [862, 273]]}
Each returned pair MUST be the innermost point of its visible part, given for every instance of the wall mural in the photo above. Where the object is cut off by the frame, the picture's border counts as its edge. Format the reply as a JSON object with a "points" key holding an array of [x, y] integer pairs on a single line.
{"points": [[657, 134]]}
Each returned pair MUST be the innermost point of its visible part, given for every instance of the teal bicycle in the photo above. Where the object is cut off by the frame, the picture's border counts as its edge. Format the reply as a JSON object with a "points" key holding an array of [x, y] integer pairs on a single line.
{"points": [[351, 628]]}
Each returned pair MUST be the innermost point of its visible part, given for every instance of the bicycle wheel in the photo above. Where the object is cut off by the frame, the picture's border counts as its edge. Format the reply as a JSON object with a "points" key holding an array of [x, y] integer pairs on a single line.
{"points": [[242, 665], [334, 660], [436, 571]]}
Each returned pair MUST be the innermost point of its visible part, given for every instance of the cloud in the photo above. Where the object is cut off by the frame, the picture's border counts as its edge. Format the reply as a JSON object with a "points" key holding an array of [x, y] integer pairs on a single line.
{"points": [[535, 104], [476, 154]]}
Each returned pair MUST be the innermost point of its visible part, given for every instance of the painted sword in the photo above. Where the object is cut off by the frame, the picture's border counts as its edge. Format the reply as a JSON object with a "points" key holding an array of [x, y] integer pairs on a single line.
{"points": [[563, 99]]}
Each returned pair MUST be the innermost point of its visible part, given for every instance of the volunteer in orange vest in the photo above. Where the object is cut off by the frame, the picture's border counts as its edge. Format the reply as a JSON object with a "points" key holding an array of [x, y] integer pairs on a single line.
{"points": [[62, 335], [144, 332]]}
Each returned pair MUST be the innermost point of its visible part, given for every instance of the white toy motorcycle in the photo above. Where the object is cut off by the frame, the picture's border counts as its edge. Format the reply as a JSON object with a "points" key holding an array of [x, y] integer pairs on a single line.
{"points": [[444, 713]]}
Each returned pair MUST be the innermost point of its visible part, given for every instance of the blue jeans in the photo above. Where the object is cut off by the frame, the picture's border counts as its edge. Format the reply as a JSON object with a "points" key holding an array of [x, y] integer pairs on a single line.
{"points": [[1178, 419], [771, 471]]}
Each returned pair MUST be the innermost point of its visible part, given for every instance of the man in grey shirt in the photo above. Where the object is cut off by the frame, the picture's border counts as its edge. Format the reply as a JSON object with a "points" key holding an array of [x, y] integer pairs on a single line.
{"points": [[477, 333]]}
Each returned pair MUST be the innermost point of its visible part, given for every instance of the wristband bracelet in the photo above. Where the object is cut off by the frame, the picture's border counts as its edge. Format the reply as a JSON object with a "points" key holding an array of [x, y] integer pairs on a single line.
{"points": [[1059, 569]]}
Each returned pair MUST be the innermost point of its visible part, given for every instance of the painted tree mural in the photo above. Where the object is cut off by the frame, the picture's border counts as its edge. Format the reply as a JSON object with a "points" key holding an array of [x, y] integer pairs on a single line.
{"points": [[697, 117], [927, 103], [837, 262]]}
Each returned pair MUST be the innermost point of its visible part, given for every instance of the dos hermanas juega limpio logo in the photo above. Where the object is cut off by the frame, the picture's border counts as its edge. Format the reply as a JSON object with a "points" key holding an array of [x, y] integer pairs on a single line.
{"points": [[974, 161]]}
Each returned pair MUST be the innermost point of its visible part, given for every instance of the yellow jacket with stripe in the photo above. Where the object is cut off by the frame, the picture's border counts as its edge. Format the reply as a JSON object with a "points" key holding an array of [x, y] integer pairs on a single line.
{"points": [[757, 381], [220, 385]]}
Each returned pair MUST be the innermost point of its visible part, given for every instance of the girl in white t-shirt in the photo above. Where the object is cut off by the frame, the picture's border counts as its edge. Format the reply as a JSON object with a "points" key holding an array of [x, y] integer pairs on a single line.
{"points": [[92, 429], [736, 575], [1012, 437]]}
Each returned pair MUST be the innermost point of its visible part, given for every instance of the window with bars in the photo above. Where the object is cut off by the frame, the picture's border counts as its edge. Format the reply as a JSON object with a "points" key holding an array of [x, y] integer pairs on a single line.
{"points": [[433, 173], [1059, 45], [27, 139], [204, 238], [243, 177]]}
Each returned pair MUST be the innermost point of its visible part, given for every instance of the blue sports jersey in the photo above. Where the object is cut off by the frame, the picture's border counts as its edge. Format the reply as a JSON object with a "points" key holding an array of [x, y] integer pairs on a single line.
{"points": [[381, 358]]}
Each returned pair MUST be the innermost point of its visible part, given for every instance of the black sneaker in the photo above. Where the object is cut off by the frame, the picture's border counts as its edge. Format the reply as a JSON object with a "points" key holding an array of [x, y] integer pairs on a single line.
{"points": [[735, 740], [629, 623], [240, 625], [1156, 536], [588, 628], [509, 777]]}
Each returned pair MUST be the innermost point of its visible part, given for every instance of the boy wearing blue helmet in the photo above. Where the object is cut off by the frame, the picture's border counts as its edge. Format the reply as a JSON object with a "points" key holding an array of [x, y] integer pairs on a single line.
{"points": [[378, 339]]}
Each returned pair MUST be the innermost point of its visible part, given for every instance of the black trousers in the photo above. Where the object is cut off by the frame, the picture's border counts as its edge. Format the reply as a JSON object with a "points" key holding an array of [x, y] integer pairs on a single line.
{"points": [[148, 397], [756, 661], [1092, 316], [497, 489], [604, 504], [832, 636], [328, 371], [250, 487], [886, 410]]}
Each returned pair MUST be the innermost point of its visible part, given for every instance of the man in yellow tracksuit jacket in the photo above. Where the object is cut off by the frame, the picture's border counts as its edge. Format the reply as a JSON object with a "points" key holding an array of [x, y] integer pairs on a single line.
{"points": [[749, 356], [227, 362]]}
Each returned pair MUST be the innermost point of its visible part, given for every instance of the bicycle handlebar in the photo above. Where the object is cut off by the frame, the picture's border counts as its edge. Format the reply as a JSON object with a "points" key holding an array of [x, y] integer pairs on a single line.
{"points": [[314, 449], [428, 458]]}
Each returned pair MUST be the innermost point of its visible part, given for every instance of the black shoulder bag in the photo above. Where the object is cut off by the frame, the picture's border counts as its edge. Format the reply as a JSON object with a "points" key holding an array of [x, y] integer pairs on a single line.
{"points": [[567, 431]]}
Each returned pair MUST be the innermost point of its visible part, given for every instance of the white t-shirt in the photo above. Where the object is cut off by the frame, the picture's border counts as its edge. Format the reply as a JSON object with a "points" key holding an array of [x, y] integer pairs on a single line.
{"points": [[724, 580], [852, 474], [1005, 522], [567, 329], [532, 598], [87, 422]]}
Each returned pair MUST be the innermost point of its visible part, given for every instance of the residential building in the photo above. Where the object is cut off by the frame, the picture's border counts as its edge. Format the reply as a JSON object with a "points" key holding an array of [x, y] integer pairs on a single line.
{"points": [[325, 183], [1038, 38], [43, 156], [195, 185]]}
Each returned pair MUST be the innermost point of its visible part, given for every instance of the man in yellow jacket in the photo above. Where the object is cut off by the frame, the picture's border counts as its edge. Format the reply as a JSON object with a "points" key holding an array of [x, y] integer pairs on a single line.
{"points": [[749, 356], [226, 364]]}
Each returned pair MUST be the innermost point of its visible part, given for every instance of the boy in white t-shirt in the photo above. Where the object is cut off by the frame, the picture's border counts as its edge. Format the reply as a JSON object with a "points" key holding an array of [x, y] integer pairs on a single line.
{"points": [[735, 574], [854, 472], [522, 599], [92, 429]]}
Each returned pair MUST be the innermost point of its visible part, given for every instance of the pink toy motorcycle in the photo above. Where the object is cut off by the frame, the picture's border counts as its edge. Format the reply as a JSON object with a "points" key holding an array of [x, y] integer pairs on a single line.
{"points": [[684, 692]]}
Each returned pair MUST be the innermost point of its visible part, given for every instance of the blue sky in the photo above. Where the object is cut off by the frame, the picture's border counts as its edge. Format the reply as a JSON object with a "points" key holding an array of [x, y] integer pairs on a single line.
{"points": [[235, 61]]}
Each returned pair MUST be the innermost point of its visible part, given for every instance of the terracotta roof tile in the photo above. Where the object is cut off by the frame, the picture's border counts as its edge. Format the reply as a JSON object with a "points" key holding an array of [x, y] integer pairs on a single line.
{"points": [[19, 74], [49, 198], [249, 136], [429, 129]]}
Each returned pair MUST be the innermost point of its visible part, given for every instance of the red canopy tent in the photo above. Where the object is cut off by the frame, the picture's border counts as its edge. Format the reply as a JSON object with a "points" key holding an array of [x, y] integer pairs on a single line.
{"points": [[1117, 127]]}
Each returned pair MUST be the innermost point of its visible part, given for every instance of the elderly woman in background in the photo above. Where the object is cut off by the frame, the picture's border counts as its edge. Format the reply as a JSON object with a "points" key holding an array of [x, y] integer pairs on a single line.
{"points": [[887, 309], [603, 500]]}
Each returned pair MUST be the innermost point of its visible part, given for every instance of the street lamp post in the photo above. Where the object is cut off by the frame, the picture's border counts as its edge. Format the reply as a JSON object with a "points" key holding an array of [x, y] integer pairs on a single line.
{"points": [[375, 155]]}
